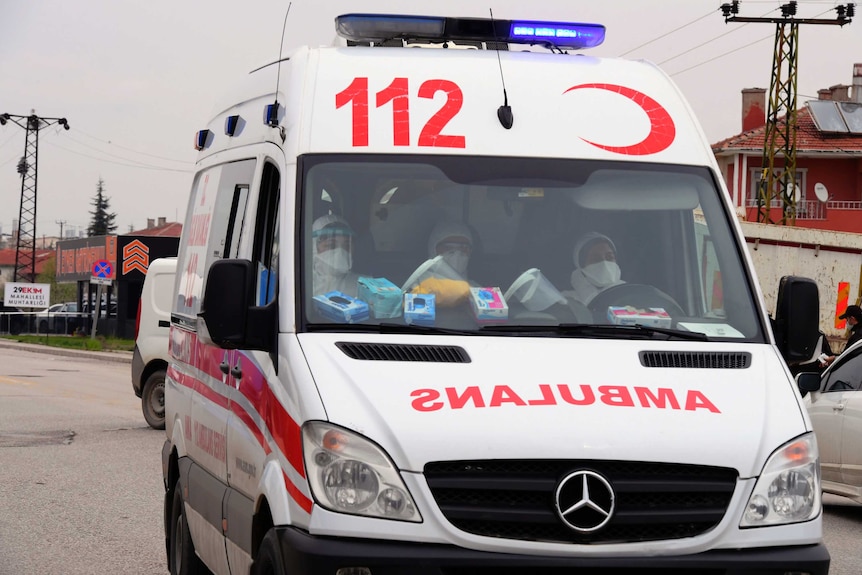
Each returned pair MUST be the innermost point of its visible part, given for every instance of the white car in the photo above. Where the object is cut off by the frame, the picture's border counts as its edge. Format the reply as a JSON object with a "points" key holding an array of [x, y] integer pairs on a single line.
{"points": [[59, 318], [835, 408]]}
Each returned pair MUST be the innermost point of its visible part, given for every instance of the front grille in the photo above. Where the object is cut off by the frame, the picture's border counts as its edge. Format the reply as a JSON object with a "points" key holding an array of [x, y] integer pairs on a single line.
{"points": [[404, 352], [514, 499], [696, 359]]}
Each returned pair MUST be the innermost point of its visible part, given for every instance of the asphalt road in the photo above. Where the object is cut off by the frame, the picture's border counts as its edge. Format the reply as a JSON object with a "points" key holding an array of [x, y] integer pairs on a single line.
{"points": [[80, 472]]}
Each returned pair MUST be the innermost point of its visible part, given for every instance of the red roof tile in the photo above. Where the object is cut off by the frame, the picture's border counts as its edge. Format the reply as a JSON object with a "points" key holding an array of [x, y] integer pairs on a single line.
{"points": [[7, 258], [808, 139], [169, 230]]}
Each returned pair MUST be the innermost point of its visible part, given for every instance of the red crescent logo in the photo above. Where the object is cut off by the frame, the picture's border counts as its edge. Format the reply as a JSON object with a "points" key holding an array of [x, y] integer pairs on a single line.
{"points": [[662, 129]]}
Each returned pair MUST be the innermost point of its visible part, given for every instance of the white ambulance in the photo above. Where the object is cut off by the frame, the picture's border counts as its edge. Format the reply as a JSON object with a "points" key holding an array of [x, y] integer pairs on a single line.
{"points": [[474, 310]]}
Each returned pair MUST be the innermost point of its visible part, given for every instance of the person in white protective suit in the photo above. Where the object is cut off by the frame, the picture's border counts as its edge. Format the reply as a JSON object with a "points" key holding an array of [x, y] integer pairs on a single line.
{"points": [[332, 247], [451, 244], [454, 241], [596, 268]]}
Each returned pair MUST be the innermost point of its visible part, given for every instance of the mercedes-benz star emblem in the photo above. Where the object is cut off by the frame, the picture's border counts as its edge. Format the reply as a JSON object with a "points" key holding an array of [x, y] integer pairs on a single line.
{"points": [[585, 501]]}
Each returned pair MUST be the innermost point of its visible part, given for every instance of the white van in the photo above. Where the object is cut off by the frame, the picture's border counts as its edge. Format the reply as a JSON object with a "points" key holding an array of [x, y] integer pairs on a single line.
{"points": [[150, 357], [354, 391]]}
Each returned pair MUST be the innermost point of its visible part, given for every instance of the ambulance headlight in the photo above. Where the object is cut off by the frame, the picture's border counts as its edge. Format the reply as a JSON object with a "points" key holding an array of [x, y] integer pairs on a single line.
{"points": [[349, 474], [788, 490]]}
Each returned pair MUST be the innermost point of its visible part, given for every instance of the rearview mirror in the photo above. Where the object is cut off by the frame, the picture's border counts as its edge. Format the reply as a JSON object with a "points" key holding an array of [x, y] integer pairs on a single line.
{"points": [[797, 318], [231, 319]]}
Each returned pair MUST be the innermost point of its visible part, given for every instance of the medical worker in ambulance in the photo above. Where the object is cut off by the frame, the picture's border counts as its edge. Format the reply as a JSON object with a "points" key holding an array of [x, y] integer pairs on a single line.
{"points": [[332, 246], [452, 241], [596, 268]]}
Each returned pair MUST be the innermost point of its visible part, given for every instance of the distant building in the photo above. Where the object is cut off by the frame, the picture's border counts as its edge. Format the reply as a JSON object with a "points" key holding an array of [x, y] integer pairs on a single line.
{"points": [[160, 227], [828, 158], [7, 262]]}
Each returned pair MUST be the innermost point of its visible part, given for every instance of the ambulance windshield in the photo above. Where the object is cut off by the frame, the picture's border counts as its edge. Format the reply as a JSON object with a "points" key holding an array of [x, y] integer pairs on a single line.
{"points": [[464, 243]]}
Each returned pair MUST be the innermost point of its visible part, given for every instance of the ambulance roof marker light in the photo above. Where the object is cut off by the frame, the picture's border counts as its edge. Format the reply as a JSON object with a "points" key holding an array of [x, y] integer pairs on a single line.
{"points": [[202, 139], [376, 28], [230, 125]]}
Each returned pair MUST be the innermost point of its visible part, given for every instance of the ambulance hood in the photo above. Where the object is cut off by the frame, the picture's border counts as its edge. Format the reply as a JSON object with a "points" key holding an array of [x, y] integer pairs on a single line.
{"points": [[553, 398]]}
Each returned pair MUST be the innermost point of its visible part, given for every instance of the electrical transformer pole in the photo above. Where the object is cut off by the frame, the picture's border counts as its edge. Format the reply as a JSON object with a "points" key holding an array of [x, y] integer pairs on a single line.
{"points": [[779, 182], [25, 252]]}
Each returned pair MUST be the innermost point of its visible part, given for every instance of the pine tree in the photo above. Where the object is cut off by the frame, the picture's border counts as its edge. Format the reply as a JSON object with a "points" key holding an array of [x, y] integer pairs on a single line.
{"points": [[102, 222]]}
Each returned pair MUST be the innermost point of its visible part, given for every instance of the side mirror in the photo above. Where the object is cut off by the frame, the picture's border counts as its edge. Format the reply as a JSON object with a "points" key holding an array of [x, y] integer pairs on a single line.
{"points": [[797, 318], [808, 381], [231, 319]]}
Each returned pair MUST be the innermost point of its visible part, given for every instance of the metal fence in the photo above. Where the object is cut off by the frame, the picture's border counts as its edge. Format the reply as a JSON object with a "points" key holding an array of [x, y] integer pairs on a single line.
{"points": [[64, 323]]}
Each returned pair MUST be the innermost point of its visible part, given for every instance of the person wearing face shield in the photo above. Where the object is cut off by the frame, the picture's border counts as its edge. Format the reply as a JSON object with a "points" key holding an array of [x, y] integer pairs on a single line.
{"points": [[332, 255], [596, 268], [452, 241]]}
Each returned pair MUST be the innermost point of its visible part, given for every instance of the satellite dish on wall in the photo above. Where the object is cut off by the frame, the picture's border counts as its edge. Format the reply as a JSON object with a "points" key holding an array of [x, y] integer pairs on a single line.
{"points": [[794, 192], [821, 192]]}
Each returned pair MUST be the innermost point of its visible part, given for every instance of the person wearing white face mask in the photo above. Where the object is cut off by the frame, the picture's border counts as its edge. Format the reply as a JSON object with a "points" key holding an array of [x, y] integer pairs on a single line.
{"points": [[454, 241], [451, 242], [332, 251], [596, 268]]}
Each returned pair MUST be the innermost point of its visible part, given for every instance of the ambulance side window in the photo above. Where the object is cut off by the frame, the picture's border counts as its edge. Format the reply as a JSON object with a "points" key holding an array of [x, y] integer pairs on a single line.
{"points": [[266, 238]]}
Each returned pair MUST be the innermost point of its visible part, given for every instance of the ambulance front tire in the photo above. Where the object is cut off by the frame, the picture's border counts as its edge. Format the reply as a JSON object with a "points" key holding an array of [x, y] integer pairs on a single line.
{"points": [[153, 400], [182, 559], [270, 560]]}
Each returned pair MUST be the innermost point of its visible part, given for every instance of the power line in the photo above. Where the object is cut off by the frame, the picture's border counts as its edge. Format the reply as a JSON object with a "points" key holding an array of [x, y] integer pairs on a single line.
{"points": [[698, 65], [110, 143], [142, 167], [657, 38], [709, 41]]}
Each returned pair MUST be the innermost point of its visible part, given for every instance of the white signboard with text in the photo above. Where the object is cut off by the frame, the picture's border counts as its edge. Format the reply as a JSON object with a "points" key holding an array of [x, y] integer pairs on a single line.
{"points": [[27, 295]]}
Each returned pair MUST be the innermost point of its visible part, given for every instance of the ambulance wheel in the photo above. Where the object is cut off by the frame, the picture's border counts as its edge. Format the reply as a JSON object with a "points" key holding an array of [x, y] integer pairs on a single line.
{"points": [[636, 295], [269, 560], [43, 326], [153, 400], [182, 559]]}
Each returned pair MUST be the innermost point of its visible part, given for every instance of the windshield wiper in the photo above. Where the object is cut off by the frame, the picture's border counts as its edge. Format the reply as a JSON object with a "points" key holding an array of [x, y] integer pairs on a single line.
{"points": [[429, 329], [599, 330]]}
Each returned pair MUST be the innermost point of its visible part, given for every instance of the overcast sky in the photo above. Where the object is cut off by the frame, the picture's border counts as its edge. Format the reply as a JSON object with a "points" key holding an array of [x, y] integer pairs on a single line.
{"points": [[136, 79]]}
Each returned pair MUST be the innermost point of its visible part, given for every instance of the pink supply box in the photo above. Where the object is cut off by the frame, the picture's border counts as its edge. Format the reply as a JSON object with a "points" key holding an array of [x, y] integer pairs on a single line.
{"points": [[488, 304], [650, 317]]}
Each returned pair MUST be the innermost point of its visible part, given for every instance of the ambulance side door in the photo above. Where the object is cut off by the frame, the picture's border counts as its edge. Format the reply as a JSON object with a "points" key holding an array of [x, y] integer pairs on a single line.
{"points": [[225, 190], [252, 373]]}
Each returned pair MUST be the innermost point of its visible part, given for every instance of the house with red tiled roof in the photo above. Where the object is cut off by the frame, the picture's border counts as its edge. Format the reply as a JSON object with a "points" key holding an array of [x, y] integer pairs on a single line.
{"points": [[7, 262], [828, 158], [160, 228]]}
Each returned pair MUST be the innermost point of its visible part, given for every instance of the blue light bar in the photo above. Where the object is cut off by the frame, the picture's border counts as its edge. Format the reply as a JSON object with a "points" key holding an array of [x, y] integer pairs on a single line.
{"points": [[376, 28], [572, 35]]}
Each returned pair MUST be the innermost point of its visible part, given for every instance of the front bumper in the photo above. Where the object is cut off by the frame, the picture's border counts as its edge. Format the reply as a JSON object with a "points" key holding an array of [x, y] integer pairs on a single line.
{"points": [[304, 553]]}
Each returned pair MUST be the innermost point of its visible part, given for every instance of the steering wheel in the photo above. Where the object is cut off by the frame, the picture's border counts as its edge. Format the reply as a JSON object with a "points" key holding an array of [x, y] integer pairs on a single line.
{"points": [[635, 295]]}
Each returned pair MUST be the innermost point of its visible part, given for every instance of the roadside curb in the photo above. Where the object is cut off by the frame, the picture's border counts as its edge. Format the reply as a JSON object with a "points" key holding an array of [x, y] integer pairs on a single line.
{"points": [[111, 356]]}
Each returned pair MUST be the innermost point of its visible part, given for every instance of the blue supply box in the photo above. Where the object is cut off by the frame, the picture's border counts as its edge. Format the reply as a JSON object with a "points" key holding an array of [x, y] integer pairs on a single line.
{"points": [[341, 308], [419, 308], [383, 296]]}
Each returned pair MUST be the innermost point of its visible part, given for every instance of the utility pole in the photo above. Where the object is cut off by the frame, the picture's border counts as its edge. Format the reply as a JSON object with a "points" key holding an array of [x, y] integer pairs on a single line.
{"points": [[25, 252], [62, 223], [780, 138]]}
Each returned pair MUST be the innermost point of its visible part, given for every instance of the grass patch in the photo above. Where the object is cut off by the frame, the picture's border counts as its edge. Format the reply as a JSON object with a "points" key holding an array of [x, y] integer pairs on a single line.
{"points": [[100, 343]]}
